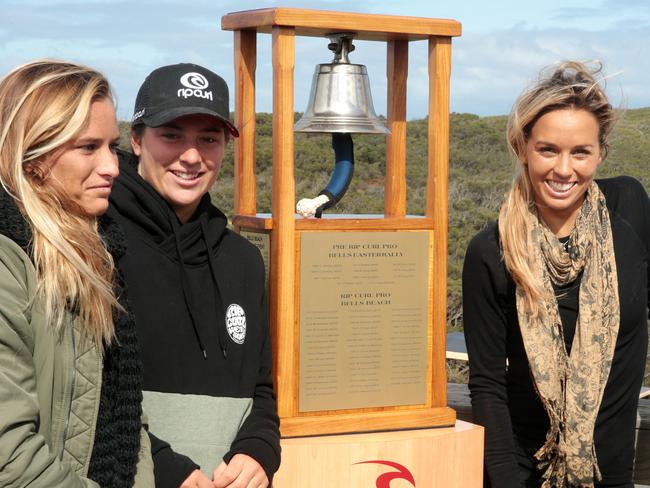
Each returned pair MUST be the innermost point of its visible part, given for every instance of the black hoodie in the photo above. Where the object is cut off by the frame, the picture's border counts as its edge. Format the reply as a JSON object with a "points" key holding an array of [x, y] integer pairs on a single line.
{"points": [[197, 292]]}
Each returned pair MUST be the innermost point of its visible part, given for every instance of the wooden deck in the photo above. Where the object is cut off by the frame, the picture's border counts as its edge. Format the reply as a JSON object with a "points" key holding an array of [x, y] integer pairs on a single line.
{"points": [[458, 399]]}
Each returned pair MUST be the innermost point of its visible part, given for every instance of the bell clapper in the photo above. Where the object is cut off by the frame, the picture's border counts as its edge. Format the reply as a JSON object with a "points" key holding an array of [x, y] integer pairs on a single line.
{"points": [[307, 207], [339, 181]]}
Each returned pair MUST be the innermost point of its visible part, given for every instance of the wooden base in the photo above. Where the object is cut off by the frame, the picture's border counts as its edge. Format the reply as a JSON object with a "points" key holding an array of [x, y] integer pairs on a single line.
{"points": [[426, 458], [343, 423]]}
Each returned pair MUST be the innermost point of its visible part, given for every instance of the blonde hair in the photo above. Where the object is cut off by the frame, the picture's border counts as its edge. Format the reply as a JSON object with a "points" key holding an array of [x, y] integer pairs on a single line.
{"points": [[44, 105], [571, 85]]}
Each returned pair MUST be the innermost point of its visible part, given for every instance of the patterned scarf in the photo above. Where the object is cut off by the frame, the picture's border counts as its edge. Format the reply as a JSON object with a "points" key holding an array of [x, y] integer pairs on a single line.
{"points": [[571, 386]]}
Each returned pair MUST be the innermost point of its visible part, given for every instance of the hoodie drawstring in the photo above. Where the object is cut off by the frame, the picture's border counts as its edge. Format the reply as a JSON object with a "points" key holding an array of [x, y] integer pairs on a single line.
{"points": [[213, 268], [187, 294]]}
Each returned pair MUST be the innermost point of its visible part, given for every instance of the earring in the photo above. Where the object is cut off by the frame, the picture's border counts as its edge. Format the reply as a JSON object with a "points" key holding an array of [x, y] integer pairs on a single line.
{"points": [[35, 171]]}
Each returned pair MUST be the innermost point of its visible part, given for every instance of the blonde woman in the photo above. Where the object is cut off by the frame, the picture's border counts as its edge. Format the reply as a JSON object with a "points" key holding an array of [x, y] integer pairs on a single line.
{"points": [[556, 298], [69, 375]]}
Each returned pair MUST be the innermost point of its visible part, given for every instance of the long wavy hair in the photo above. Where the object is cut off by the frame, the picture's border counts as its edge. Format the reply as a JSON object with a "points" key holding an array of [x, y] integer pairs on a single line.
{"points": [[44, 105], [570, 85]]}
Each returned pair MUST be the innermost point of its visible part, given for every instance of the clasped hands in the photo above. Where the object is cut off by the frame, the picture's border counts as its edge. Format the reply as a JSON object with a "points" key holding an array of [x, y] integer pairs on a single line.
{"points": [[241, 472]]}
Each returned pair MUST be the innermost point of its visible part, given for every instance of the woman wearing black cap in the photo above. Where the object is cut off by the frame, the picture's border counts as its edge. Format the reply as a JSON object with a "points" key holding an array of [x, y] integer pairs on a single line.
{"points": [[556, 298], [197, 291]]}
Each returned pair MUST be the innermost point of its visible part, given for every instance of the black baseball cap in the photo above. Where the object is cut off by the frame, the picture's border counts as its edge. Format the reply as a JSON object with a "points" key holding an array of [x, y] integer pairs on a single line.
{"points": [[172, 91]]}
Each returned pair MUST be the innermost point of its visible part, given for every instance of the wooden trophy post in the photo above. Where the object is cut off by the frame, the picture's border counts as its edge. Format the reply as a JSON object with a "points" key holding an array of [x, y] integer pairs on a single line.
{"points": [[457, 447]]}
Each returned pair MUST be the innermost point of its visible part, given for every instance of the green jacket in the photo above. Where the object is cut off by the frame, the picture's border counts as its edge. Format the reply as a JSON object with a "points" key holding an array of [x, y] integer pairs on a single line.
{"points": [[49, 389]]}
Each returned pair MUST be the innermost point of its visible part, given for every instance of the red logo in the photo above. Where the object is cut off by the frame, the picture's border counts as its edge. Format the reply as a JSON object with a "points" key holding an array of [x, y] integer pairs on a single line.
{"points": [[383, 481]]}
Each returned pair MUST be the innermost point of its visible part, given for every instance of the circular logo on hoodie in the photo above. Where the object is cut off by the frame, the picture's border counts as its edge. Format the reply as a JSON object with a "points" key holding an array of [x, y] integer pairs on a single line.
{"points": [[236, 323]]}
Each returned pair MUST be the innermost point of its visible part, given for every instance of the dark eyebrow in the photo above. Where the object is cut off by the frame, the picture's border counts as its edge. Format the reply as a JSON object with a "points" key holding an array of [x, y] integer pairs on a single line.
{"points": [[171, 125]]}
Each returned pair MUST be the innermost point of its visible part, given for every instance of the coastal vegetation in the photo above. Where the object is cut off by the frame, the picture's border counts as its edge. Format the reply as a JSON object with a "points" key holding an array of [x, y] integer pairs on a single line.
{"points": [[480, 172]]}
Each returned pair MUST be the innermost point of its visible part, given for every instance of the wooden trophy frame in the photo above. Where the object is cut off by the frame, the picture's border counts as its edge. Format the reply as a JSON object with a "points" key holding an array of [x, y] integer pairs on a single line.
{"points": [[285, 228]]}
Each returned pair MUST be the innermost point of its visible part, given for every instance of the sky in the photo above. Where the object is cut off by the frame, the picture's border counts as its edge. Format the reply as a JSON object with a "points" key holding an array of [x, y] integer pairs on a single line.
{"points": [[503, 47]]}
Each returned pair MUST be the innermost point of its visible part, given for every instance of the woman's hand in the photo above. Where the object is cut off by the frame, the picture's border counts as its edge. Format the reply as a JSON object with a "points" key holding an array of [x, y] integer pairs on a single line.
{"points": [[241, 472], [197, 479]]}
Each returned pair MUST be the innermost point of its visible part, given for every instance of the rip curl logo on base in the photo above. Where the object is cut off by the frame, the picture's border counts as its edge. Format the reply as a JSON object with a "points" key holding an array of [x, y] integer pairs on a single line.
{"points": [[236, 323], [195, 86], [384, 480]]}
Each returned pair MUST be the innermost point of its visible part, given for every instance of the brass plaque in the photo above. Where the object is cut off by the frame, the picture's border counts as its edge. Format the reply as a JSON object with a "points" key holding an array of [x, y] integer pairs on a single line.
{"points": [[263, 242], [363, 319]]}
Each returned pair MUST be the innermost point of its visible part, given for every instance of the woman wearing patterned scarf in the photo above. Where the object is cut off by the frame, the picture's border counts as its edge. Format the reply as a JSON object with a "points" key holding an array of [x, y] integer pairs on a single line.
{"points": [[556, 298], [70, 379]]}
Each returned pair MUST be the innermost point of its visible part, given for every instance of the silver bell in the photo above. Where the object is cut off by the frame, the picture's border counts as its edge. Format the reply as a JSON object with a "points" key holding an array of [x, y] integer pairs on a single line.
{"points": [[340, 99]]}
